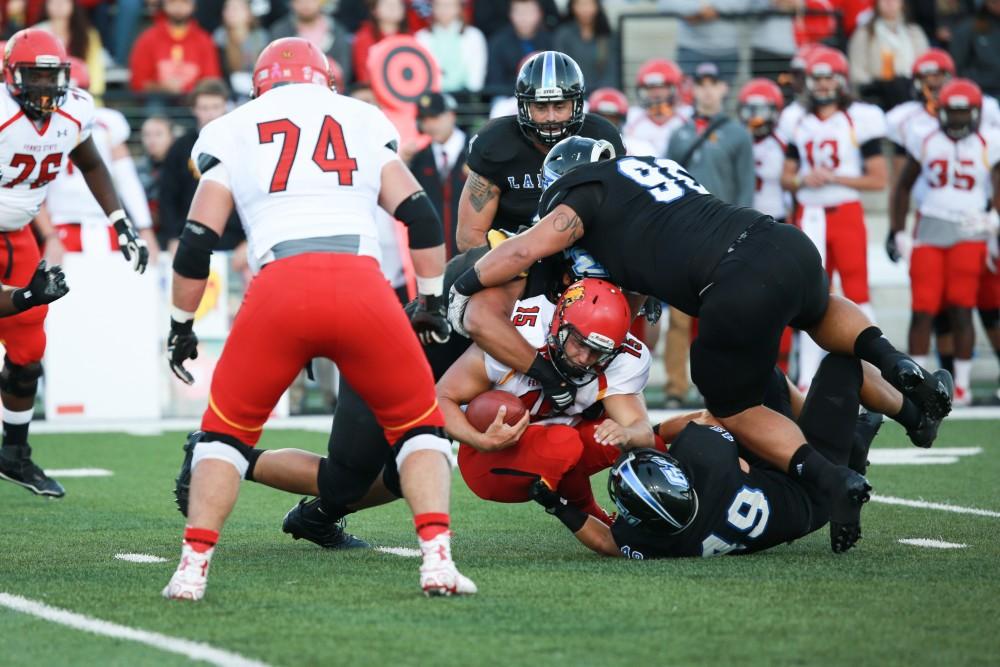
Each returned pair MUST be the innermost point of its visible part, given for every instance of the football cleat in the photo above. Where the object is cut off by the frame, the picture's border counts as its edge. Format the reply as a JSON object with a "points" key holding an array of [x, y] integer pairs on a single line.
{"points": [[926, 432], [845, 510], [308, 521], [865, 430], [17, 467], [438, 575], [182, 483], [928, 391], [191, 577]]}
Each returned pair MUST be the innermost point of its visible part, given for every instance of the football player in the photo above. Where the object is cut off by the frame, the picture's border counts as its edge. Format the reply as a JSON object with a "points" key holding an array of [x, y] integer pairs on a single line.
{"points": [[958, 167], [612, 105], [657, 231], [586, 335], [505, 157], [306, 167], [42, 121], [660, 112], [833, 153], [760, 104]]}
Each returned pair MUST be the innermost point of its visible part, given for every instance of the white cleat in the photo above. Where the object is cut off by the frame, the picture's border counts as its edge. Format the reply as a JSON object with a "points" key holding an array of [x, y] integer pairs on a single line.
{"points": [[191, 577], [438, 574]]}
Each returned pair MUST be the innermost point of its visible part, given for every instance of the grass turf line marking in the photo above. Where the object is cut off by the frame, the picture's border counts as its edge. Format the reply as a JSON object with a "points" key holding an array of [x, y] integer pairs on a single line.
{"points": [[921, 457], [184, 647], [140, 558], [79, 472], [405, 552], [932, 544], [922, 504]]}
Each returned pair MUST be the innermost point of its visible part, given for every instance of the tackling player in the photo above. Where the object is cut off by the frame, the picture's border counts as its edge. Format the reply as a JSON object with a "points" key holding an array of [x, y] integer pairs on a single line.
{"points": [[306, 168], [656, 231], [42, 121], [956, 167]]}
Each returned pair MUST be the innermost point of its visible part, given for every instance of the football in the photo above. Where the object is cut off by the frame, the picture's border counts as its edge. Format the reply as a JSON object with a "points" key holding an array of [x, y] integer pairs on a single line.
{"points": [[482, 410]]}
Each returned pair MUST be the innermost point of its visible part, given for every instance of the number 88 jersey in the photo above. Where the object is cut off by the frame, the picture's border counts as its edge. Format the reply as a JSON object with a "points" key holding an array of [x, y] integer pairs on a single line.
{"points": [[301, 162]]}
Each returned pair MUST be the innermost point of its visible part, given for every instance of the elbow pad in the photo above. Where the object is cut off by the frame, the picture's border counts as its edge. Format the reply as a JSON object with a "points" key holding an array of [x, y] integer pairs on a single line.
{"points": [[194, 251], [422, 221]]}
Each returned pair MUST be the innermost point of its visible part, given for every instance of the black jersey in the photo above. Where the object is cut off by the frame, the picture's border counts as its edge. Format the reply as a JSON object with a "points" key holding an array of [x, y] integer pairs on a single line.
{"points": [[652, 227], [738, 512], [502, 154]]}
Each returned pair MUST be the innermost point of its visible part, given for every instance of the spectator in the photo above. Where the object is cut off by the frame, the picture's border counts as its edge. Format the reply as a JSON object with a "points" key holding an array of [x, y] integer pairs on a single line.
{"points": [[308, 21], [240, 40], [524, 35], [459, 49], [118, 31], [19, 14], [174, 54], [586, 37], [881, 54], [66, 20], [179, 179], [773, 42], [157, 137], [440, 167], [947, 15], [493, 15], [703, 36], [975, 46], [388, 17]]}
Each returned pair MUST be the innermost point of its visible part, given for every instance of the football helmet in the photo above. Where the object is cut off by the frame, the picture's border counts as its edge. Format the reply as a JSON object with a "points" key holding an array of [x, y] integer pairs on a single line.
{"points": [[290, 60], [549, 76], [36, 70], [596, 315], [825, 62], [610, 103], [78, 74], [658, 73], [653, 491], [931, 70], [960, 106], [572, 152], [760, 101]]}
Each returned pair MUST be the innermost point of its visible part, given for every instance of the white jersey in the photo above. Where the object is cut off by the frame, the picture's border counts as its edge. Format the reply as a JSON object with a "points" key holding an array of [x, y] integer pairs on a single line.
{"points": [[956, 178], [627, 373], [302, 162], [835, 143], [788, 120], [769, 161], [640, 127], [31, 158]]}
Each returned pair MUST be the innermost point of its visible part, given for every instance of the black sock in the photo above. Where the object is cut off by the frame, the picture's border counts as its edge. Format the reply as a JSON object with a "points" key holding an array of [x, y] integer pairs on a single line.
{"points": [[811, 468], [947, 362], [15, 435], [909, 415], [873, 347]]}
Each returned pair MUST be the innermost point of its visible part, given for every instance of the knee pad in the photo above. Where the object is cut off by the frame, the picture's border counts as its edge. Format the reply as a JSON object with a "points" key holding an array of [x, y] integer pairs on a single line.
{"points": [[224, 447], [18, 380], [429, 438]]}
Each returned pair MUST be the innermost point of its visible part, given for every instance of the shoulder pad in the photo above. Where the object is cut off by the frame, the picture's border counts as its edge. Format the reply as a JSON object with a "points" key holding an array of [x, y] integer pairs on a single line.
{"points": [[499, 141]]}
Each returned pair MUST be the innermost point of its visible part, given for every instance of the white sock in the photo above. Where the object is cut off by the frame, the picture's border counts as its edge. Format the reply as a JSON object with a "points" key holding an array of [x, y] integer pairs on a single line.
{"points": [[17, 417], [963, 373]]}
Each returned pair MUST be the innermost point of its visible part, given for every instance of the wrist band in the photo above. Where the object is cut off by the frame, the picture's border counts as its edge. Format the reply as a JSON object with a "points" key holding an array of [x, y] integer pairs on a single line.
{"points": [[430, 286], [116, 216], [179, 315]]}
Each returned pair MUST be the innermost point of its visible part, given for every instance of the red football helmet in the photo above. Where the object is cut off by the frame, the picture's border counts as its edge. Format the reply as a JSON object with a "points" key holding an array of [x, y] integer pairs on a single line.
{"points": [[78, 74], [760, 101], [289, 60], [658, 73], [931, 71], [960, 106], [798, 63], [826, 63], [596, 316], [36, 70], [609, 102]]}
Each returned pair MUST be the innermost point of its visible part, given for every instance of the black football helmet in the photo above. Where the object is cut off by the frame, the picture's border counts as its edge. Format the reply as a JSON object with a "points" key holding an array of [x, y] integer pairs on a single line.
{"points": [[653, 491], [572, 152], [549, 76]]}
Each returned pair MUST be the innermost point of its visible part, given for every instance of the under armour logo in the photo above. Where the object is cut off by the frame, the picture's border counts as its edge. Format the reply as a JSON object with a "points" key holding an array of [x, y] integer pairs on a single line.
{"points": [[62, 133]]}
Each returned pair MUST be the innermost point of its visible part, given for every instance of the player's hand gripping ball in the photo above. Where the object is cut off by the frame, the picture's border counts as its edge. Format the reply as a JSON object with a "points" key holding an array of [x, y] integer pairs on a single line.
{"points": [[482, 410]]}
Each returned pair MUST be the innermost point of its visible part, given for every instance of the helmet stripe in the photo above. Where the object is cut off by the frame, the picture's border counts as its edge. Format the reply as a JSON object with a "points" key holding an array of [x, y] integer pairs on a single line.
{"points": [[630, 478], [549, 71]]}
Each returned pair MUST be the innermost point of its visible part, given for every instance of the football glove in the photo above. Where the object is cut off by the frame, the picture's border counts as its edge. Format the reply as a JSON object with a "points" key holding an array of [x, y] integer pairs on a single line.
{"points": [[133, 248], [182, 344], [992, 253], [45, 286], [562, 394], [430, 319], [898, 246], [457, 303]]}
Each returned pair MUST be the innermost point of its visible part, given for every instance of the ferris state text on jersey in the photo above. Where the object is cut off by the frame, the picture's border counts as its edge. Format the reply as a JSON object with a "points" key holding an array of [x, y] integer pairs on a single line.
{"points": [[502, 154]]}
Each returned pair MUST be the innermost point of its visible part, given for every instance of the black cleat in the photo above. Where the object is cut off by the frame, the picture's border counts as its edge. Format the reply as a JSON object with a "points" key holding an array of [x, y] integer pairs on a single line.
{"points": [[926, 432], [845, 510], [865, 430], [307, 521], [16, 466], [182, 483], [926, 390]]}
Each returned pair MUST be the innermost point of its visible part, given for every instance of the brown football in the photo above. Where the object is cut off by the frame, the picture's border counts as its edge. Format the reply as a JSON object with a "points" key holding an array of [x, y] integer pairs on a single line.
{"points": [[482, 410]]}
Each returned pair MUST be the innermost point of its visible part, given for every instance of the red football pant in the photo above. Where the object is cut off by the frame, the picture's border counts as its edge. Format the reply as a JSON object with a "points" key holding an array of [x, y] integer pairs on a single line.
{"points": [[989, 291], [23, 335], [947, 277], [321, 305], [846, 248]]}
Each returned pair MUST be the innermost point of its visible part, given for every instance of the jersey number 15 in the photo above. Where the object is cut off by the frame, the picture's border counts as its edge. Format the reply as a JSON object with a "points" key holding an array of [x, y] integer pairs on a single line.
{"points": [[330, 153]]}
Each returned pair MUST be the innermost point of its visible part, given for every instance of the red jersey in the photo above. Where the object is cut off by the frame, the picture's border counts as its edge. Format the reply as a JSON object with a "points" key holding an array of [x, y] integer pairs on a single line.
{"points": [[164, 52]]}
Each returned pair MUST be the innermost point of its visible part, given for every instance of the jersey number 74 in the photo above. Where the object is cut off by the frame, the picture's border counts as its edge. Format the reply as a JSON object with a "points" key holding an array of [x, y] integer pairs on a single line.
{"points": [[330, 153]]}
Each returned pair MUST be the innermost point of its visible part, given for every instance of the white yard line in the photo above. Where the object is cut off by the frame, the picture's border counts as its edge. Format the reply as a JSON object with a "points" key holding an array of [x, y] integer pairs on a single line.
{"points": [[78, 472], [923, 504], [405, 552], [932, 544], [140, 558], [184, 647]]}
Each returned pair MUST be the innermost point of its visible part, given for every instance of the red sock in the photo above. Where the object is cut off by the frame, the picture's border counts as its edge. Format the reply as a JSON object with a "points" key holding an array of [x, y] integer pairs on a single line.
{"points": [[430, 524], [200, 539]]}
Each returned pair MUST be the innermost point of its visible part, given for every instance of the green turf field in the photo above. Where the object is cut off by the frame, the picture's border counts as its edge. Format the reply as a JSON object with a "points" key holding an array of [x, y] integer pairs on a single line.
{"points": [[543, 598]]}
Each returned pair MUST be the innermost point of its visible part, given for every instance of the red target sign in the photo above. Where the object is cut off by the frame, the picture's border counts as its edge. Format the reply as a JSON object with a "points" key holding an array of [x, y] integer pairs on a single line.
{"points": [[401, 71]]}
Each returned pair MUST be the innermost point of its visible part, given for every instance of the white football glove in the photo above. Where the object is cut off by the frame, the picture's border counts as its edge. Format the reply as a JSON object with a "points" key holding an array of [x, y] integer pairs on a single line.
{"points": [[457, 303]]}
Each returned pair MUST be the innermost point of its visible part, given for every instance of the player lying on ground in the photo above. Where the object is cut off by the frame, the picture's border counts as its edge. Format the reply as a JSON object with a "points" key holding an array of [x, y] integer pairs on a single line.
{"points": [[708, 495], [656, 231]]}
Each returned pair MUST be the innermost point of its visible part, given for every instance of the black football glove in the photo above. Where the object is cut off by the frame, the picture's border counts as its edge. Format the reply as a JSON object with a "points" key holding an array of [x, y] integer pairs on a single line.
{"points": [[133, 248], [652, 310], [46, 286], [182, 344], [561, 393], [891, 248], [430, 319], [543, 494]]}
